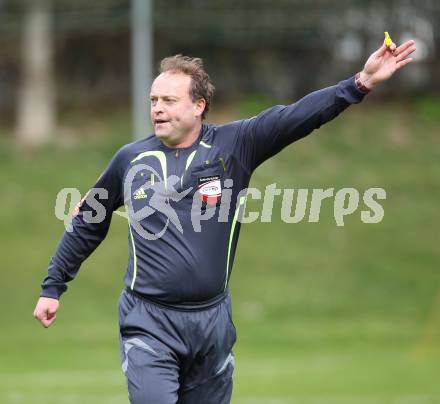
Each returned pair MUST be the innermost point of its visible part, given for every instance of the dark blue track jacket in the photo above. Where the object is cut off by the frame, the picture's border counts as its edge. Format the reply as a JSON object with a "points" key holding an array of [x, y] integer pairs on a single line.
{"points": [[180, 252]]}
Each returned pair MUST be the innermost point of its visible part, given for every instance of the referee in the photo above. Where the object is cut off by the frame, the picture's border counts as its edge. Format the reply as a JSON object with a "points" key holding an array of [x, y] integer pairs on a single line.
{"points": [[175, 319]]}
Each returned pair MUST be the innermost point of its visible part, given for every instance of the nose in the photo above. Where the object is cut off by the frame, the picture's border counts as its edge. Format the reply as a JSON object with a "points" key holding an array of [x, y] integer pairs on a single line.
{"points": [[157, 107]]}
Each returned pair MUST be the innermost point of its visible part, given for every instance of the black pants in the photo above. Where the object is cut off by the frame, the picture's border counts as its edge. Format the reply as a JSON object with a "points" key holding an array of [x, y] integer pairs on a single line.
{"points": [[172, 356]]}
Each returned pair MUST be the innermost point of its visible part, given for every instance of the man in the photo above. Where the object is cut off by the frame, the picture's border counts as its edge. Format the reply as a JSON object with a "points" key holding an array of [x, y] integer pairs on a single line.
{"points": [[176, 330]]}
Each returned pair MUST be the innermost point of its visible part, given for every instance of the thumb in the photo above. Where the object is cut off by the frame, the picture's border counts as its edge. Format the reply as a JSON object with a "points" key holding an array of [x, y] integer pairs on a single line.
{"points": [[51, 311], [381, 51], [48, 319]]}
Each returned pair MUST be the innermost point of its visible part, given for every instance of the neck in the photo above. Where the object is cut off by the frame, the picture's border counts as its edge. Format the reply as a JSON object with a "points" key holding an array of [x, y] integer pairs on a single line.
{"points": [[187, 140]]}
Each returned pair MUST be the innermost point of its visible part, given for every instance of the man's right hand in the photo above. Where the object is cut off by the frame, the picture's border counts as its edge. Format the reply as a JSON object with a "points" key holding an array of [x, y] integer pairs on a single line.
{"points": [[46, 311]]}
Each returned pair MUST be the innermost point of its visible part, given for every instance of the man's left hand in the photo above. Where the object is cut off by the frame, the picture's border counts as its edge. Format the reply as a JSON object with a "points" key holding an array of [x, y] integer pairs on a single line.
{"points": [[384, 62]]}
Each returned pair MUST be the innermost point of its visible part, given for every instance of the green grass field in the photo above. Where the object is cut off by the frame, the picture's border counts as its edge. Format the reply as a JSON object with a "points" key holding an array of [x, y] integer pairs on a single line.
{"points": [[325, 314]]}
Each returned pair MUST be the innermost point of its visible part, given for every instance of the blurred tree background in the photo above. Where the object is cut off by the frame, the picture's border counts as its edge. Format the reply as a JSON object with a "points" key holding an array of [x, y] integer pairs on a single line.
{"points": [[280, 49], [324, 314]]}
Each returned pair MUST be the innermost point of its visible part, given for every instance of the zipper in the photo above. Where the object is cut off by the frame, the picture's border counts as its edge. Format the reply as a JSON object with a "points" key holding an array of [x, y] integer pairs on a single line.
{"points": [[189, 159], [176, 162]]}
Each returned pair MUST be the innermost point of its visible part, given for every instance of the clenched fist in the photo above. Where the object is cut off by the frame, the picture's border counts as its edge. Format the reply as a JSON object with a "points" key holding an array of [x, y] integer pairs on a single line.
{"points": [[46, 311]]}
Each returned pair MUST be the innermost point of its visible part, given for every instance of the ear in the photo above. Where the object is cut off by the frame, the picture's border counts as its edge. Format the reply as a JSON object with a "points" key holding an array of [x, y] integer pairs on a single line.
{"points": [[200, 106]]}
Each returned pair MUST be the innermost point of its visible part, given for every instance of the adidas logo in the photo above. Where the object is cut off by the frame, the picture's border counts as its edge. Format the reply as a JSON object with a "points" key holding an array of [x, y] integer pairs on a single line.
{"points": [[139, 194]]}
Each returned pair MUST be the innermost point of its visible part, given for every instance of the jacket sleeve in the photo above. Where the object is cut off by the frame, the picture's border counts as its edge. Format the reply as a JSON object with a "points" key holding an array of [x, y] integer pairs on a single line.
{"points": [[90, 225], [266, 134]]}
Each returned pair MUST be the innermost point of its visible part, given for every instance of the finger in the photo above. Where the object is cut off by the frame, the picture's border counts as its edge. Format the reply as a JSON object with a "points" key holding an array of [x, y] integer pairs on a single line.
{"points": [[403, 47], [403, 63], [46, 318], [405, 53], [51, 310], [47, 322], [381, 51], [384, 48], [51, 314], [38, 315]]}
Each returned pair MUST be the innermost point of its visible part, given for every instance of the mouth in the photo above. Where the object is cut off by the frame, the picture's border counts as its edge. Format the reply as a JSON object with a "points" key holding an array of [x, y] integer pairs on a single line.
{"points": [[160, 122]]}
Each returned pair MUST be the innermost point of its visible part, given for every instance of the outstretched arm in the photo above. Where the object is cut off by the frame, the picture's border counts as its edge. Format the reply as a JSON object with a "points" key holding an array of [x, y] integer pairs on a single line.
{"points": [[261, 137]]}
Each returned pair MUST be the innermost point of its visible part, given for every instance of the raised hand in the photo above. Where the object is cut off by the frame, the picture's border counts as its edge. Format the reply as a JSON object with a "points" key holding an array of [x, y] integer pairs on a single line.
{"points": [[384, 62]]}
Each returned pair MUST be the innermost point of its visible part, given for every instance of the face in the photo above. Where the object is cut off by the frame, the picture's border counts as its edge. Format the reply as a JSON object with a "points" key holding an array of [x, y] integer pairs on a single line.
{"points": [[175, 117]]}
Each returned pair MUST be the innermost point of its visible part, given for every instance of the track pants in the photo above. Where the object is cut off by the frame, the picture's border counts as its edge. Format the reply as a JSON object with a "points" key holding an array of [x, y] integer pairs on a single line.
{"points": [[172, 356]]}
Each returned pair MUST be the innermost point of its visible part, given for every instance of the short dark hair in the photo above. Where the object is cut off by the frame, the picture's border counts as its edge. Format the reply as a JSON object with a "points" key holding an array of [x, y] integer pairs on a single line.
{"points": [[201, 86]]}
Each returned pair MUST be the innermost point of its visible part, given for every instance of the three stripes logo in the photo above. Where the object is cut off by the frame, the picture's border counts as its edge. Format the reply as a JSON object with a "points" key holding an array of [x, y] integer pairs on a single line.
{"points": [[140, 194]]}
